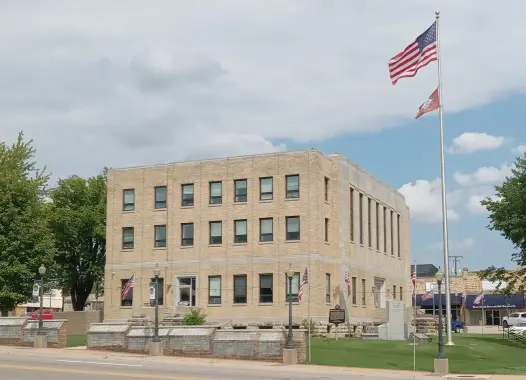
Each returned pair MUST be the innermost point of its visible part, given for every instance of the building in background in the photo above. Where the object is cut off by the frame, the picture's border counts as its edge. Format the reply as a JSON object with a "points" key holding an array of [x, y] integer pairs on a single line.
{"points": [[464, 290], [224, 232], [52, 301]]}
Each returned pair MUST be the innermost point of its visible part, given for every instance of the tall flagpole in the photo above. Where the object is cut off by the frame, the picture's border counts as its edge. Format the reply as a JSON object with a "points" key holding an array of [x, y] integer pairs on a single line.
{"points": [[444, 199], [414, 316], [308, 313]]}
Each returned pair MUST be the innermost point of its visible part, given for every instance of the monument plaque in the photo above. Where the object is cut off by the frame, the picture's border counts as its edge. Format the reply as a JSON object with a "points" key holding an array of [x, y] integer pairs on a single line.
{"points": [[337, 315]]}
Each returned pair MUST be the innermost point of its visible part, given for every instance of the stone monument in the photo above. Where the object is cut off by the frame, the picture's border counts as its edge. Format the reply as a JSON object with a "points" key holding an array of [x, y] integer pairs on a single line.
{"points": [[395, 320]]}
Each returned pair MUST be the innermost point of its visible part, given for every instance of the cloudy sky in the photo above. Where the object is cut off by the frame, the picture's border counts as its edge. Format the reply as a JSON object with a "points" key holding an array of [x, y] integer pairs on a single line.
{"points": [[122, 83]]}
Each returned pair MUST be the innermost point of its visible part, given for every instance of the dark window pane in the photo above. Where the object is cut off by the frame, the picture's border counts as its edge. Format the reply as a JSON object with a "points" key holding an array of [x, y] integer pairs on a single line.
{"points": [[265, 288], [293, 228], [266, 229], [160, 236], [127, 238], [293, 186], [187, 234], [240, 288], [216, 192], [160, 197], [265, 188], [187, 195], [216, 233], [240, 188], [240, 231], [128, 200]]}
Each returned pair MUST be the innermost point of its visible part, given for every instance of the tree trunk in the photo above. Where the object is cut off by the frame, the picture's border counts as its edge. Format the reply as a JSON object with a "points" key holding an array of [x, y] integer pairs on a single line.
{"points": [[79, 296]]}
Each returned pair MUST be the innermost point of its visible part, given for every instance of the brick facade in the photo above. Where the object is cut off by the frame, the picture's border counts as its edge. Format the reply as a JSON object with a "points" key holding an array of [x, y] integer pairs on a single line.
{"points": [[383, 264]]}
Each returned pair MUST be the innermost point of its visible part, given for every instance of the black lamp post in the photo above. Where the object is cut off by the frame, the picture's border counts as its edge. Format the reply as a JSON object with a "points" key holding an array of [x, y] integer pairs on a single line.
{"points": [[42, 272], [290, 341], [439, 276], [156, 273]]}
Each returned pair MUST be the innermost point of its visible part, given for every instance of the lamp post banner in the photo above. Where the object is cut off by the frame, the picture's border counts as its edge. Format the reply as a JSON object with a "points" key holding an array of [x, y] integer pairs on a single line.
{"points": [[152, 292]]}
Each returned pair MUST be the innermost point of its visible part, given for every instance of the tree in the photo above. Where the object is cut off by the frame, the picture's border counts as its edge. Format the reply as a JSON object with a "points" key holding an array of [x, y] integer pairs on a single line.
{"points": [[25, 238], [78, 220], [508, 215]]}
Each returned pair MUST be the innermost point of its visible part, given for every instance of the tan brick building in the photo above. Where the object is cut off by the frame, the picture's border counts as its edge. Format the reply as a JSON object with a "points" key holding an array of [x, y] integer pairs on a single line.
{"points": [[225, 231]]}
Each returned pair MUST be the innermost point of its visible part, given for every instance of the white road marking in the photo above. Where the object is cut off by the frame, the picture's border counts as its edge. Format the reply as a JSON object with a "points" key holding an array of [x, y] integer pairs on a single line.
{"points": [[99, 363]]}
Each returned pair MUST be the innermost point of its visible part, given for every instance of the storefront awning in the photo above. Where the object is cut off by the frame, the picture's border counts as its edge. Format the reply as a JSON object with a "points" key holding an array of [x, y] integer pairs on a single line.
{"points": [[497, 301], [456, 300]]}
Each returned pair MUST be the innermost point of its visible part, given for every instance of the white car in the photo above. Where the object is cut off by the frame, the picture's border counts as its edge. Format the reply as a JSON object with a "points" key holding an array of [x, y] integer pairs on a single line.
{"points": [[513, 319], [518, 329]]}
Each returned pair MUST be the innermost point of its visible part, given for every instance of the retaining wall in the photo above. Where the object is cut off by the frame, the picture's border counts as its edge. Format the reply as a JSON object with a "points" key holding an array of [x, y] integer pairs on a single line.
{"points": [[16, 331]]}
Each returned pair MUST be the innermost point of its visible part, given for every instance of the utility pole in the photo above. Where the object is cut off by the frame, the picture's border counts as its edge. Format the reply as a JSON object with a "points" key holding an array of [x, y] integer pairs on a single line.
{"points": [[456, 262]]}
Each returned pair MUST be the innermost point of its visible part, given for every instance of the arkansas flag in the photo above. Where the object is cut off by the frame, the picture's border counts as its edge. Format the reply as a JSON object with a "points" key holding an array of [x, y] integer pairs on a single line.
{"points": [[429, 105]]}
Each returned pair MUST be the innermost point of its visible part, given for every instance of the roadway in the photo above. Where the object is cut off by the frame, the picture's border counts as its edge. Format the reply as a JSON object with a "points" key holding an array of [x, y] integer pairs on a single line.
{"points": [[17, 363]]}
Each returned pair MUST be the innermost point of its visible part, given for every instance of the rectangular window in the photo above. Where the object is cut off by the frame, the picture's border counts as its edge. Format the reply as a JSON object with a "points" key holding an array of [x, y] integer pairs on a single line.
{"points": [[293, 227], [351, 216], [240, 288], [216, 193], [216, 232], [240, 190], [266, 294], [240, 231], [360, 212], [385, 229], [265, 188], [326, 229], [292, 186], [214, 290], [295, 287], [160, 236], [326, 189], [128, 298], [327, 288], [187, 234], [392, 232], [377, 226], [187, 191], [401, 293], [128, 200], [364, 292], [398, 233], [353, 290], [394, 292], [266, 229], [160, 290], [370, 222], [160, 197], [127, 237]]}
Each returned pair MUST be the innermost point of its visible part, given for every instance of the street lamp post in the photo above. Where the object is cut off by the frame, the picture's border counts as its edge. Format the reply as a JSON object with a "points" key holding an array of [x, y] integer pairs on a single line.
{"points": [[439, 276], [42, 272], [156, 273], [290, 341]]}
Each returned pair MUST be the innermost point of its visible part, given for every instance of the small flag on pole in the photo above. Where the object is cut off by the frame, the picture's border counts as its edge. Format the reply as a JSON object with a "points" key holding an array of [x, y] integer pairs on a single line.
{"points": [[347, 280], [427, 296], [479, 298], [304, 282], [130, 284], [419, 53], [431, 104]]}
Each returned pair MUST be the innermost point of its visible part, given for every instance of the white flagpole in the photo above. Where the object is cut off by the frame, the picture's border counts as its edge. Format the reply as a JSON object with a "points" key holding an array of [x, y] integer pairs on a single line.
{"points": [[414, 334], [483, 316], [444, 199], [308, 312]]}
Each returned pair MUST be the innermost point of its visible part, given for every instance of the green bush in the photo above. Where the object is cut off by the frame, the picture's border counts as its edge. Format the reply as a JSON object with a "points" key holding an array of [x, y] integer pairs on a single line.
{"points": [[305, 324], [194, 318]]}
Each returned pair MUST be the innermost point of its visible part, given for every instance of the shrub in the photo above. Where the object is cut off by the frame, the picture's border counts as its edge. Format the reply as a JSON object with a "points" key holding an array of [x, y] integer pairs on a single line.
{"points": [[194, 318], [305, 324]]}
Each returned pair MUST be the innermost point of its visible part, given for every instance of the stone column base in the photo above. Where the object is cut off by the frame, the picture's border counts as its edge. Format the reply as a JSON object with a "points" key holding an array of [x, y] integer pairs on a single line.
{"points": [[40, 341], [290, 356], [441, 366], [156, 348]]}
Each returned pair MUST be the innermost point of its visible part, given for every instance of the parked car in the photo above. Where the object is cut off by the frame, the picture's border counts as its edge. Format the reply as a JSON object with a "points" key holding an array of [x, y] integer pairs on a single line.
{"points": [[456, 326], [46, 314], [518, 329], [513, 319]]}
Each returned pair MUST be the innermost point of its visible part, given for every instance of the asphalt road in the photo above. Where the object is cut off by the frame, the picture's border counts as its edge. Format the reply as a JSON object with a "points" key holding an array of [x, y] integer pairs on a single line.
{"points": [[50, 364]]}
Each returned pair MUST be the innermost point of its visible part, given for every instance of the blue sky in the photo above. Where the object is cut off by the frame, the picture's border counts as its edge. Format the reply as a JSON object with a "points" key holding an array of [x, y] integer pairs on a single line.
{"points": [[169, 80]]}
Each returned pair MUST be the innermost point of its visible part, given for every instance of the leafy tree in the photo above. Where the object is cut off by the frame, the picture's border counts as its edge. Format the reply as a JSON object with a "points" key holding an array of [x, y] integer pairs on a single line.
{"points": [[508, 216], [78, 220], [25, 238]]}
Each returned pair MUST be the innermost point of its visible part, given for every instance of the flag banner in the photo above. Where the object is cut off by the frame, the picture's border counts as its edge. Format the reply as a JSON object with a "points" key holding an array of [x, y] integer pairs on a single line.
{"points": [[431, 104], [479, 298], [129, 285], [416, 55], [427, 296], [304, 282], [347, 280]]}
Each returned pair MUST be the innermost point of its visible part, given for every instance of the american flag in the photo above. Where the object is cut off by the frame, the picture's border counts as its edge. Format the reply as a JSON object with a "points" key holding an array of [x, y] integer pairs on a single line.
{"points": [[416, 55], [427, 296], [479, 298], [347, 280], [129, 285], [304, 282]]}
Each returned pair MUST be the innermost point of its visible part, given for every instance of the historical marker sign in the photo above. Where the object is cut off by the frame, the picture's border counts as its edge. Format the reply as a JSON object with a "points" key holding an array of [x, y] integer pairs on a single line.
{"points": [[337, 315]]}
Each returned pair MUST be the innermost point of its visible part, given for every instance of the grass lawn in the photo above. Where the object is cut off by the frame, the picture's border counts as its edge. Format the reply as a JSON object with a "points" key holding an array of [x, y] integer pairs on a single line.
{"points": [[472, 353], [76, 340]]}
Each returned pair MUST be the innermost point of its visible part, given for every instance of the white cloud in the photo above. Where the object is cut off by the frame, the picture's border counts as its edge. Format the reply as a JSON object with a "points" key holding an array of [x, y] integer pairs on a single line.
{"points": [[474, 206], [95, 85], [484, 176], [455, 246], [520, 150], [470, 142], [425, 201]]}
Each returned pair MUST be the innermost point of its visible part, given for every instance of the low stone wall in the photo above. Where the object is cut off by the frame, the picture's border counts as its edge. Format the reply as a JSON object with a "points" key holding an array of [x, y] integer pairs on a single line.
{"points": [[15, 331], [202, 341], [79, 322]]}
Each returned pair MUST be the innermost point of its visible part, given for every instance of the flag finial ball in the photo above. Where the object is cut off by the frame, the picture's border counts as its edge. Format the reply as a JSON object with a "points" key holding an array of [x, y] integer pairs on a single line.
{"points": [[437, 13]]}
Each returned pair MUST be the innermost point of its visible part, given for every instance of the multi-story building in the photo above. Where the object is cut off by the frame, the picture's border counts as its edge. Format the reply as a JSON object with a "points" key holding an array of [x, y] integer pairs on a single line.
{"points": [[225, 231]]}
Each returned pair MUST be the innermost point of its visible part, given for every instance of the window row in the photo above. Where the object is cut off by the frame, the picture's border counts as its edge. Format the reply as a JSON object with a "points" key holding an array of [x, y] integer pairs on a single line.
{"points": [[266, 232], [215, 192], [239, 291], [381, 214], [363, 293]]}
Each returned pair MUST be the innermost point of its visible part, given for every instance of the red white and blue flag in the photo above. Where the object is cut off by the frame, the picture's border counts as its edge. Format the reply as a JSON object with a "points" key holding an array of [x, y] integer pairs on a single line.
{"points": [[479, 298], [427, 295], [304, 282], [130, 284], [419, 53]]}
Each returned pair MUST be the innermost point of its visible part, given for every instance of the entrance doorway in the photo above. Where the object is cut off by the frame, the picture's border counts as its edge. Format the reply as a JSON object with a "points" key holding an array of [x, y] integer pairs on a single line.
{"points": [[492, 317], [186, 291]]}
